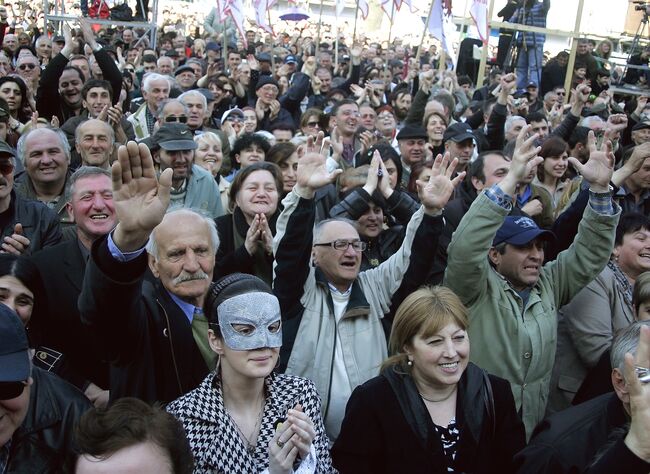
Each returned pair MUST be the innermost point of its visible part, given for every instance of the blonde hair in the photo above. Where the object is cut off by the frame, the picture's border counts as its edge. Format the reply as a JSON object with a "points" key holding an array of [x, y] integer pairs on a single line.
{"points": [[424, 312]]}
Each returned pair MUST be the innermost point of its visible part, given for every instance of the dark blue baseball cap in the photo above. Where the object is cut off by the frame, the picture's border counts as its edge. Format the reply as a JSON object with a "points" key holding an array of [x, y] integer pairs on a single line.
{"points": [[519, 230], [14, 349]]}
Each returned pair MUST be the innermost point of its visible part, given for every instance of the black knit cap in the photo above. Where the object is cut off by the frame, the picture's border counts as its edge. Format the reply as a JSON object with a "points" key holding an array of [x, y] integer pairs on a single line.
{"points": [[228, 287], [264, 80]]}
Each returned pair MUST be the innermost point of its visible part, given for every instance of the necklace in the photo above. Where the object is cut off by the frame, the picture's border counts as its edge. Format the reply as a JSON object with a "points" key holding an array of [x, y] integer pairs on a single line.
{"points": [[437, 401], [251, 442]]}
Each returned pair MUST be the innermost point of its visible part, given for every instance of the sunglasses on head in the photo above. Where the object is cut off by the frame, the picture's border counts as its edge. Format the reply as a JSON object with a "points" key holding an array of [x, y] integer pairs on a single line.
{"points": [[6, 167], [11, 390], [175, 119], [30, 66]]}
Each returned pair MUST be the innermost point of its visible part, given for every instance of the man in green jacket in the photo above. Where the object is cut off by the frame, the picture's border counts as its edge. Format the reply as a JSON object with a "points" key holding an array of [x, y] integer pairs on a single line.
{"points": [[497, 270]]}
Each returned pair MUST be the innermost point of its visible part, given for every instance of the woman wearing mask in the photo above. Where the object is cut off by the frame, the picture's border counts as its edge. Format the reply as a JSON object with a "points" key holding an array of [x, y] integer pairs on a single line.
{"points": [[244, 417]]}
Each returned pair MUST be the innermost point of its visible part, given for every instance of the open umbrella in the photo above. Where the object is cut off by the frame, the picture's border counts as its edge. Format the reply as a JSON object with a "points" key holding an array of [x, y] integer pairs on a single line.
{"points": [[294, 14]]}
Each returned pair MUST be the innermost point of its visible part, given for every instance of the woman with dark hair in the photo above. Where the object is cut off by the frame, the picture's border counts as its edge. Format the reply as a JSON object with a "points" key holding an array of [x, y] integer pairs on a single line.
{"points": [[14, 91], [250, 119], [435, 124], [430, 410], [310, 122], [285, 155], [381, 212], [587, 325], [419, 172], [245, 417], [21, 288], [247, 234], [551, 174]]}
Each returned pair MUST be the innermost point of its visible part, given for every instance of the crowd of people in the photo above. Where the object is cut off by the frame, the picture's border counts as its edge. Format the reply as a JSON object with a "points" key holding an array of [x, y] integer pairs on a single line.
{"points": [[273, 256]]}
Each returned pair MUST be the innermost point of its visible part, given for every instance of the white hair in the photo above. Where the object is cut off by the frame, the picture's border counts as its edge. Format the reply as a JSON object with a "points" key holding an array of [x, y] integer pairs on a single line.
{"points": [[152, 244], [193, 93], [152, 77]]}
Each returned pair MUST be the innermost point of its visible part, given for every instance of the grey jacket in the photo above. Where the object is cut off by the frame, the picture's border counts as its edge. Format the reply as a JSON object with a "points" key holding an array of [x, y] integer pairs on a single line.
{"points": [[586, 328]]}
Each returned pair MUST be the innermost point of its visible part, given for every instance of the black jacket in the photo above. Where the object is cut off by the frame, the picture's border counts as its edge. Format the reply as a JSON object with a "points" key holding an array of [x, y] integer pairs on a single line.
{"points": [[568, 441], [387, 428], [40, 224], [69, 349], [48, 100], [399, 205], [43, 442], [145, 335], [232, 259]]}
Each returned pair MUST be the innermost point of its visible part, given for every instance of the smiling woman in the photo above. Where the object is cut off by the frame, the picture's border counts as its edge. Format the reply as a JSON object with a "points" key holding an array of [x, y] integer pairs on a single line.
{"points": [[247, 234], [430, 410]]}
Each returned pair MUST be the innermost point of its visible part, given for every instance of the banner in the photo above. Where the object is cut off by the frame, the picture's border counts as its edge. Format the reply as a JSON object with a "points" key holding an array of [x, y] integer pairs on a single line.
{"points": [[364, 7], [235, 10], [479, 12]]}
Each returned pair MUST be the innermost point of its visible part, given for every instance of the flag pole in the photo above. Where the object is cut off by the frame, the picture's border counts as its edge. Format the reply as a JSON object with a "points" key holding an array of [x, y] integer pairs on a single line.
{"points": [[354, 32], [268, 12], [484, 52], [424, 32], [336, 41], [320, 20]]}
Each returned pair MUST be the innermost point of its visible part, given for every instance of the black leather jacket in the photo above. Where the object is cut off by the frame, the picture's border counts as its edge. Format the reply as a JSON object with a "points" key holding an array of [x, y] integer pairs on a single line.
{"points": [[43, 443]]}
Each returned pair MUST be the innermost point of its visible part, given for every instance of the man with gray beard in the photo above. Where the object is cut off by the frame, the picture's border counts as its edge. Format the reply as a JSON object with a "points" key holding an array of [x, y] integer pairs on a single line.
{"points": [[152, 331]]}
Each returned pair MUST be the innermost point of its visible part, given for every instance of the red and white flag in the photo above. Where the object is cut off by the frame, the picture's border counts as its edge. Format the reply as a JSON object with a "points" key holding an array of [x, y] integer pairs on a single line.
{"points": [[235, 10], [479, 13], [364, 7], [261, 14], [440, 25]]}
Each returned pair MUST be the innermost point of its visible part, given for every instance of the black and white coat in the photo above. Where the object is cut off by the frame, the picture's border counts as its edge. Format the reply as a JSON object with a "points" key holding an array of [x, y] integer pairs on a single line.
{"points": [[214, 438]]}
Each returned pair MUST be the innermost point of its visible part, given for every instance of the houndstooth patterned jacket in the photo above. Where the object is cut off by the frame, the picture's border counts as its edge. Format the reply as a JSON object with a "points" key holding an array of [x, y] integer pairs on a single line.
{"points": [[215, 441]]}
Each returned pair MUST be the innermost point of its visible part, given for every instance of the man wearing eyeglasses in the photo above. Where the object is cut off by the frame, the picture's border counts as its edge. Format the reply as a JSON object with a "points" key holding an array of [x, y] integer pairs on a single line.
{"points": [[38, 410], [29, 70], [333, 314], [27, 225]]}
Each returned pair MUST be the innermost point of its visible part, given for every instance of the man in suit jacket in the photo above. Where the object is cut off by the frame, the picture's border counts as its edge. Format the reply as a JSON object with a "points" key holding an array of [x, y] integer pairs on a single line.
{"points": [[67, 347], [153, 333]]}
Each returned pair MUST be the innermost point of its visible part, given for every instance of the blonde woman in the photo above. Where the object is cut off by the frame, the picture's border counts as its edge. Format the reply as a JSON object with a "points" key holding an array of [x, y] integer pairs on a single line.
{"points": [[209, 156]]}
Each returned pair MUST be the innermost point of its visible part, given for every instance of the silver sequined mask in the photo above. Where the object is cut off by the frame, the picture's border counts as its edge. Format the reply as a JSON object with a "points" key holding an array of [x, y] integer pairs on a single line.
{"points": [[258, 310]]}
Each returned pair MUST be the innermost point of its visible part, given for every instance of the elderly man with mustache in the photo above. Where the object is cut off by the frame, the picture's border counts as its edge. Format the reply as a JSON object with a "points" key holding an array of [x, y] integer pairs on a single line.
{"points": [[151, 330]]}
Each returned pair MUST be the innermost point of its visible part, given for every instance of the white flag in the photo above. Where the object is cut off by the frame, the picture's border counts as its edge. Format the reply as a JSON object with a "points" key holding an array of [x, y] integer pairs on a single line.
{"points": [[261, 14], [235, 10], [440, 25], [478, 12], [364, 7]]}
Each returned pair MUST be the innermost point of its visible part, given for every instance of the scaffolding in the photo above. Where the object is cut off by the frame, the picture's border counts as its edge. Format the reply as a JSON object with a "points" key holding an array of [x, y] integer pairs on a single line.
{"points": [[56, 16]]}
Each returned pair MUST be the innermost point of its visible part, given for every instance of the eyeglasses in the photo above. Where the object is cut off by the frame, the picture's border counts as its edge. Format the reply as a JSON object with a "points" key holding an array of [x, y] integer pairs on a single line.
{"points": [[560, 93], [172, 118], [313, 124], [11, 390], [29, 66], [343, 245], [6, 167]]}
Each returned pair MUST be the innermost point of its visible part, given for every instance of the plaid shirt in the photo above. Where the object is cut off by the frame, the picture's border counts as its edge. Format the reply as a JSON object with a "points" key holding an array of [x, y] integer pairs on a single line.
{"points": [[535, 16]]}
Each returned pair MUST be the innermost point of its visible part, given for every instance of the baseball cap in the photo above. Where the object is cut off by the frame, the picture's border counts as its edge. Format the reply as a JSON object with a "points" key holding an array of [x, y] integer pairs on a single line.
{"points": [[174, 137], [458, 132], [519, 230], [212, 46], [58, 39], [641, 126], [14, 350], [6, 149], [290, 59], [183, 69], [264, 57], [233, 113], [531, 84], [412, 131]]}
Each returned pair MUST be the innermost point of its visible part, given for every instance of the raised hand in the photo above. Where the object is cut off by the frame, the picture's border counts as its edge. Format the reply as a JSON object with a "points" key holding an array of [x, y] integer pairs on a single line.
{"points": [[373, 179], [140, 198], [87, 32], [524, 160], [303, 430], [312, 174], [435, 192], [598, 170]]}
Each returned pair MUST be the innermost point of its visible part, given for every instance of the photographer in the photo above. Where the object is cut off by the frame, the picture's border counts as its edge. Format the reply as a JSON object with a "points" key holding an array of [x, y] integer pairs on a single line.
{"points": [[530, 45]]}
